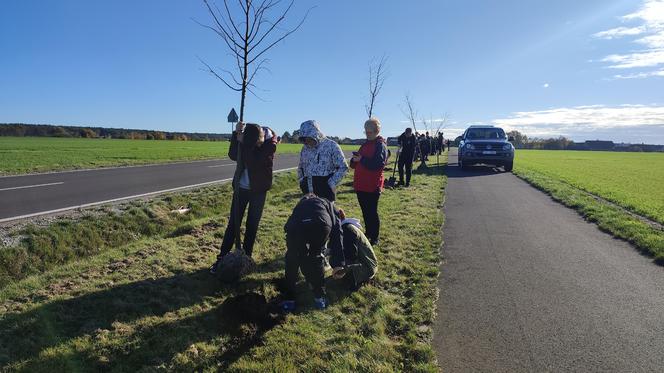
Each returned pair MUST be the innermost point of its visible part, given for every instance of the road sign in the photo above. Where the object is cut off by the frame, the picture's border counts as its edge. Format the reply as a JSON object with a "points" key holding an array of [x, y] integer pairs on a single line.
{"points": [[232, 116]]}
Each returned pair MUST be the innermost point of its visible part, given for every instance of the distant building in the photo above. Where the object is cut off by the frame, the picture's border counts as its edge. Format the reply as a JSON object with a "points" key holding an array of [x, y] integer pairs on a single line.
{"points": [[599, 145], [592, 145], [611, 146]]}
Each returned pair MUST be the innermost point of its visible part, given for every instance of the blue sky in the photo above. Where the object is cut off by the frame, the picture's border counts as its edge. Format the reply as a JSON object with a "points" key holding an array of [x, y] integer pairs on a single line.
{"points": [[591, 69]]}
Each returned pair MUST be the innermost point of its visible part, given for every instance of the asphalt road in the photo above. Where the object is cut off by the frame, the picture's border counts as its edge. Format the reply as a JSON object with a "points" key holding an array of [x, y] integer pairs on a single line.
{"points": [[528, 286], [29, 195]]}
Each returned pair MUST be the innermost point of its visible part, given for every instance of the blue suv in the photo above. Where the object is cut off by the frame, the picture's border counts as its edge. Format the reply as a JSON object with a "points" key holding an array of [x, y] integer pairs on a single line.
{"points": [[486, 145]]}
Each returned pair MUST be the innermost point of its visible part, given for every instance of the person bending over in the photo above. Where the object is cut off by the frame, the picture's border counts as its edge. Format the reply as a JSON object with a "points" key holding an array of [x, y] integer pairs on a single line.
{"points": [[309, 227]]}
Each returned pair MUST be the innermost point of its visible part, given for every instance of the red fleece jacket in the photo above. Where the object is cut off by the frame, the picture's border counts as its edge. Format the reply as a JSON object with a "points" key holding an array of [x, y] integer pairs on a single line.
{"points": [[369, 171]]}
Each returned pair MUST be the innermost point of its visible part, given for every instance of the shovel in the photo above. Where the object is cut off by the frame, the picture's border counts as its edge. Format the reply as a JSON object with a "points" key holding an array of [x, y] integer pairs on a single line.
{"points": [[392, 181]]}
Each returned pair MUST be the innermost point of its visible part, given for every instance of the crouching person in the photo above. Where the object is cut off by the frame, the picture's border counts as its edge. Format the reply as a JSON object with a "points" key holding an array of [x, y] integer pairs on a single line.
{"points": [[309, 227], [360, 259]]}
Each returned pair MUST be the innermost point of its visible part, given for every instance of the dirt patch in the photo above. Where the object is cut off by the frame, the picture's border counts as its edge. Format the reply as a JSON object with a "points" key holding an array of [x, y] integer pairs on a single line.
{"points": [[251, 308]]}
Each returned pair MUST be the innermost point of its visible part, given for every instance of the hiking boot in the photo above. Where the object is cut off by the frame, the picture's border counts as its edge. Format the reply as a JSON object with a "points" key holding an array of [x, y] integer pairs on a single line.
{"points": [[287, 305], [320, 303]]}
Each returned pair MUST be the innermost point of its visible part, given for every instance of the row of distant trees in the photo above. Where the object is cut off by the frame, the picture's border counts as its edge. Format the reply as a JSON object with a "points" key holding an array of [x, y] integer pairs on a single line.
{"points": [[522, 141], [45, 130], [289, 138]]}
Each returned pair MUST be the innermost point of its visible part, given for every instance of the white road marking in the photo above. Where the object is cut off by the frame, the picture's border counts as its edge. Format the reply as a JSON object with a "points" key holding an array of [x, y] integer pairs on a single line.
{"points": [[222, 165], [126, 198], [32, 186]]}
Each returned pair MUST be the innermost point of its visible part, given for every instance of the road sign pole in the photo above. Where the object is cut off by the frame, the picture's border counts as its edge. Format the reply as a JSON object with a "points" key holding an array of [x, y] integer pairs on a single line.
{"points": [[239, 168]]}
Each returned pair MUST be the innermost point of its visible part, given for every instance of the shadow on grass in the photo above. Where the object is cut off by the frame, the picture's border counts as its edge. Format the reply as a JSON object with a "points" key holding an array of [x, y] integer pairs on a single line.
{"points": [[429, 169], [109, 341], [59, 321], [25, 335]]}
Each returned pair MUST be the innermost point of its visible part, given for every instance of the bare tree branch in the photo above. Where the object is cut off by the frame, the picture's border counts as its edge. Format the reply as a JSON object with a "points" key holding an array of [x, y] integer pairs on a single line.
{"points": [[269, 31], [227, 36], [257, 69], [230, 18], [287, 34], [443, 122], [214, 73], [377, 76], [246, 35], [409, 112]]}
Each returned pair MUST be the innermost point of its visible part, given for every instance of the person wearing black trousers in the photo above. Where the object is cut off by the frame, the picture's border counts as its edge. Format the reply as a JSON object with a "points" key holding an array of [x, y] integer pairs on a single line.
{"points": [[368, 179], [312, 222], [258, 146], [407, 143]]}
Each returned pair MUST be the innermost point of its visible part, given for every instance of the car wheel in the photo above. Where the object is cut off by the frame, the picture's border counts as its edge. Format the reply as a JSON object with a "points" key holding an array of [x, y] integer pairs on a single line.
{"points": [[509, 166]]}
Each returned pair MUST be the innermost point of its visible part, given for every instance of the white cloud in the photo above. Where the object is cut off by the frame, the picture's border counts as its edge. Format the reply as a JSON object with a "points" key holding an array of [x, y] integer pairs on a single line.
{"points": [[651, 37], [545, 85], [649, 58], [640, 75], [581, 121], [620, 32]]}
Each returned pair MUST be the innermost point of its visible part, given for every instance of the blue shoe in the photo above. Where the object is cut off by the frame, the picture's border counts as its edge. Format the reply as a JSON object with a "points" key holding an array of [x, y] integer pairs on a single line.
{"points": [[320, 303], [287, 305]]}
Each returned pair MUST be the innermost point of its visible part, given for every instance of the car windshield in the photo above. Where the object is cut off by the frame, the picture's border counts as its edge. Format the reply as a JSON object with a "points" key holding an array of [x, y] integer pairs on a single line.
{"points": [[485, 134]]}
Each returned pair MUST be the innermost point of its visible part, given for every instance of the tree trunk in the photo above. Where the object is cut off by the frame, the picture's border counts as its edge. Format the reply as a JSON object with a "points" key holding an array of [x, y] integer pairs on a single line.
{"points": [[239, 169]]}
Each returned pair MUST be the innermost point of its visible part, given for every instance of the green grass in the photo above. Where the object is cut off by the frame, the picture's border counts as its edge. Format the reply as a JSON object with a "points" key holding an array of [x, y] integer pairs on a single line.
{"points": [[147, 303], [631, 182], [19, 155]]}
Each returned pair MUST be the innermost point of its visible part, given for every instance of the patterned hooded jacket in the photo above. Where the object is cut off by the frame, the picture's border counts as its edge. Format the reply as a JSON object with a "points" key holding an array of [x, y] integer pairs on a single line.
{"points": [[324, 159]]}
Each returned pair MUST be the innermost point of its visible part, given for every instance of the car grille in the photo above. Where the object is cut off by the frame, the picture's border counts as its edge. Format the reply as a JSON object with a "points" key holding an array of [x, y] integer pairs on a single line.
{"points": [[490, 146]]}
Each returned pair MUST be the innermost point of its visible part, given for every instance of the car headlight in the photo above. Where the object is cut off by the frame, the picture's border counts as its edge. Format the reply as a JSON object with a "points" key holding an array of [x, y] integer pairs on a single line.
{"points": [[470, 146], [507, 147]]}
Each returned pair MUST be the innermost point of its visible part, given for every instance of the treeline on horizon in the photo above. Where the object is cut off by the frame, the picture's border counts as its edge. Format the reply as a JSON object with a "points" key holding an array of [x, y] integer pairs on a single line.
{"points": [[48, 130], [522, 141]]}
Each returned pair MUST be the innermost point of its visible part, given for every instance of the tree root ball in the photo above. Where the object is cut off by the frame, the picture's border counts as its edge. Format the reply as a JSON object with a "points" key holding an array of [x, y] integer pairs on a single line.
{"points": [[234, 266]]}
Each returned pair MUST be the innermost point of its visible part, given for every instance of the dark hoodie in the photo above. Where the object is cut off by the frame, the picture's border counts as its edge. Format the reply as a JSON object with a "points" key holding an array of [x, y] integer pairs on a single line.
{"points": [[316, 211], [369, 171], [258, 160]]}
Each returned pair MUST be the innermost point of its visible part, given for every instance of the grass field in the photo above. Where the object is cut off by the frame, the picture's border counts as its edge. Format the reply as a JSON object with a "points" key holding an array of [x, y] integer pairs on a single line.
{"points": [[139, 297], [632, 182], [19, 155]]}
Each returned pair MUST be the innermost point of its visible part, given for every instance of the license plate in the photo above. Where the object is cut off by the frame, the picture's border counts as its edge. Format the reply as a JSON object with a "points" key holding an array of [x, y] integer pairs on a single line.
{"points": [[489, 152]]}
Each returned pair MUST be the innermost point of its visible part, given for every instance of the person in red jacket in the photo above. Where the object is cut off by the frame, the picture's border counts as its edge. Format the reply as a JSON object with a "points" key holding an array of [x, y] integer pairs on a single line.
{"points": [[258, 146], [368, 164]]}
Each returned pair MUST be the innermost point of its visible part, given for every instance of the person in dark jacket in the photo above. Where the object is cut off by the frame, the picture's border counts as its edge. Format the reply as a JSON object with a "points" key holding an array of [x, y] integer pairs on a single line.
{"points": [[423, 144], [313, 221], [440, 144], [369, 163], [258, 146], [407, 144]]}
